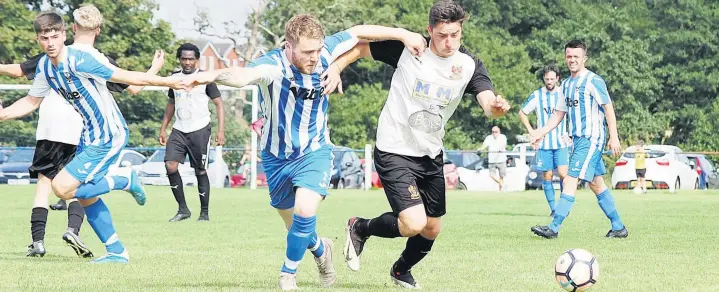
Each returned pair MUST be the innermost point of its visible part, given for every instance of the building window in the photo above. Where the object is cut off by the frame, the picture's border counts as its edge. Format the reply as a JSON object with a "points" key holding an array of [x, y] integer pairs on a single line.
{"points": [[203, 63]]}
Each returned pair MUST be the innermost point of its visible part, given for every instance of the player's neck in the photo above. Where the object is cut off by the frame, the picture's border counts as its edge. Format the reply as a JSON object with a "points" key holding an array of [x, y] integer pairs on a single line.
{"points": [[84, 40], [55, 61], [580, 72]]}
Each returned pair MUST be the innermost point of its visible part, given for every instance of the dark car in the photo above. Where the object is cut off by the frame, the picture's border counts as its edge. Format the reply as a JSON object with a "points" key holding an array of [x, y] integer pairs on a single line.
{"points": [[535, 177], [708, 175], [14, 170], [346, 169]]}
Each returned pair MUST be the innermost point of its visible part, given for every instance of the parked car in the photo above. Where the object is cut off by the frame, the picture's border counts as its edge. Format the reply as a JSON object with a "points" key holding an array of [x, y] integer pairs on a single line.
{"points": [[462, 158], [239, 179], [535, 177], [153, 171], [4, 155], [376, 182], [128, 158], [667, 168], [451, 176], [15, 169], [708, 174], [475, 177], [347, 169]]}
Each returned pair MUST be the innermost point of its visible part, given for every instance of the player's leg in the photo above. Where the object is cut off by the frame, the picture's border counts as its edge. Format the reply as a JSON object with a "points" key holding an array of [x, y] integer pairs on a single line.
{"points": [[561, 161], [502, 172], [494, 168], [641, 181], [175, 152], [316, 244], [545, 163], [408, 216], [38, 218], [606, 200], [199, 151]]}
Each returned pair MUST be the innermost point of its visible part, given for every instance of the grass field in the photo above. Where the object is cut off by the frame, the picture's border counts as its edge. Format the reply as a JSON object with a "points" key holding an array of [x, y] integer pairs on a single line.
{"points": [[486, 244]]}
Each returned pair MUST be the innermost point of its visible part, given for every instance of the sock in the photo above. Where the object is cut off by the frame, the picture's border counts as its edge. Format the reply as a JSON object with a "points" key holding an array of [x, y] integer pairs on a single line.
{"points": [[104, 186], [316, 245], [99, 218], [606, 202], [561, 212], [416, 249], [385, 225], [298, 239], [75, 216], [38, 219], [178, 191], [549, 193], [203, 187]]}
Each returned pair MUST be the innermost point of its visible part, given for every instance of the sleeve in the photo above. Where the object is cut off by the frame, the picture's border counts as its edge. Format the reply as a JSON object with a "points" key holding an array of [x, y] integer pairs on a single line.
{"points": [[40, 87], [97, 67], [29, 67], [600, 93], [171, 96], [480, 80], [268, 66], [387, 52], [531, 104], [112, 86], [339, 43], [212, 91], [562, 102]]}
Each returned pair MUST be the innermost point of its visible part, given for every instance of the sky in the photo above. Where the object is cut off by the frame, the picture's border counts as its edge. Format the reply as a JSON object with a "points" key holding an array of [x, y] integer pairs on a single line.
{"points": [[180, 14]]}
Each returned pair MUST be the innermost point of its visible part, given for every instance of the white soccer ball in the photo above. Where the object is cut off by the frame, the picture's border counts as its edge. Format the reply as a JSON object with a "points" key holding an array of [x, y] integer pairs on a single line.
{"points": [[576, 270], [638, 190]]}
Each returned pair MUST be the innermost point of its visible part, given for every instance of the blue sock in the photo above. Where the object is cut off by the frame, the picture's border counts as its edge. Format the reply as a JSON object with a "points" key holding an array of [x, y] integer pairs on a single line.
{"points": [[561, 212], [606, 202], [549, 193], [298, 240], [316, 246], [99, 218], [88, 191]]}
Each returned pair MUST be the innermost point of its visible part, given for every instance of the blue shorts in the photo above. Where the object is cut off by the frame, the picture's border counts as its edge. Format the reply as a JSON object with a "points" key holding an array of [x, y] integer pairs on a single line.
{"points": [[311, 171], [549, 159], [586, 161], [92, 161]]}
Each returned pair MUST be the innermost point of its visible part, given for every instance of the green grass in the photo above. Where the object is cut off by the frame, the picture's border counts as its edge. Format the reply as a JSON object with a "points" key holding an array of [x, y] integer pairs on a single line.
{"points": [[486, 244]]}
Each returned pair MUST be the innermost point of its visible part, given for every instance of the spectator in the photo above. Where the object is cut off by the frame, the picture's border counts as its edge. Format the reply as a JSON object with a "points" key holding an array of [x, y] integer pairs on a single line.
{"points": [[496, 145]]}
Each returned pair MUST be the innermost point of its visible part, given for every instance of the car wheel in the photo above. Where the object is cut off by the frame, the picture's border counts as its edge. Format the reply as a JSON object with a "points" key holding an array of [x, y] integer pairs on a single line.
{"points": [[227, 182], [461, 186]]}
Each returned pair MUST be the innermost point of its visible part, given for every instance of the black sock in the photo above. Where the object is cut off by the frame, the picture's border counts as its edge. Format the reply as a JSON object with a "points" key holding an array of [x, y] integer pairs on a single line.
{"points": [[178, 191], [75, 216], [416, 249], [38, 219], [203, 186], [385, 225]]}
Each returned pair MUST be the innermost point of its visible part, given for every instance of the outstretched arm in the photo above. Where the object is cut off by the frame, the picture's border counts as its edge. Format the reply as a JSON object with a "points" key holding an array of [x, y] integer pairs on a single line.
{"points": [[415, 42], [525, 121], [233, 76], [157, 62], [553, 122], [20, 108], [12, 70]]}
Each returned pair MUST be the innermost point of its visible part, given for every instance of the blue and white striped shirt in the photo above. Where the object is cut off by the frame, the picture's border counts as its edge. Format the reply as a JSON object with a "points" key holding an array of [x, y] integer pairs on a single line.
{"points": [[584, 96], [293, 104], [544, 103], [81, 77]]}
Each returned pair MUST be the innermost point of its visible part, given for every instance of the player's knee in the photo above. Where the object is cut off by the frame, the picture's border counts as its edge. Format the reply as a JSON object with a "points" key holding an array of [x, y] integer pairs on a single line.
{"points": [[171, 166], [548, 175], [597, 186], [305, 212], [200, 172], [61, 191], [412, 224], [432, 229]]}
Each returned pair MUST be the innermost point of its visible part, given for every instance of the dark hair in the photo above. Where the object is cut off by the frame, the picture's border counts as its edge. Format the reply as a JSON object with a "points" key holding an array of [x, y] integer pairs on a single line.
{"points": [[47, 22], [446, 11], [576, 44], [188, 47], [550, 68]]}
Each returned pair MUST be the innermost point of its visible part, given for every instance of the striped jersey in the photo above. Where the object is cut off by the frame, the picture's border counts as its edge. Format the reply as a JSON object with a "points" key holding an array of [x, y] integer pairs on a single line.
{"points": [[294, 104], [584, 96], [544, 103], [81, 77]]}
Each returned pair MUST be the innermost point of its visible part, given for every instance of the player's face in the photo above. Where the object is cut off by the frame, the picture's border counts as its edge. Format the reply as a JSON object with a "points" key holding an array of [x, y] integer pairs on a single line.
{"points": [[575, 58], [51, 42], [446, 38], [188, 61], [550, 80], [305, 54]]}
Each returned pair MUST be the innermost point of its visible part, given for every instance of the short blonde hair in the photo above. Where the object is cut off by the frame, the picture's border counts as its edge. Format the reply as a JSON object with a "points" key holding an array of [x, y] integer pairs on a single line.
{"points": [[303, 25], [87, 17]]}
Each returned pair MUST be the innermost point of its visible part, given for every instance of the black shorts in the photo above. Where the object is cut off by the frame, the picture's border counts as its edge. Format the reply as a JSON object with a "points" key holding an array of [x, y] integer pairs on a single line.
{"points": [[195, 144], [410, 181], [641, 172], [50, 157]]}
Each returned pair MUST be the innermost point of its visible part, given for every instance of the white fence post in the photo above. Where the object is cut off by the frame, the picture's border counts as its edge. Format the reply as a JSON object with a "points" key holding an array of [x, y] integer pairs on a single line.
{"points": [[368, 166]]}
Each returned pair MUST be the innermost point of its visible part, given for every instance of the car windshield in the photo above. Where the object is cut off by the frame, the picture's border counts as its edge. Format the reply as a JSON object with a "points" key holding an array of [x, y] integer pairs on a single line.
{"points": [[21, 156]]}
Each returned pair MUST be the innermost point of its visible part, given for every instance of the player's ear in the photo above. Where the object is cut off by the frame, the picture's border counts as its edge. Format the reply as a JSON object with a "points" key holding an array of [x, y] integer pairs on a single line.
{"points": [[429, 29]]}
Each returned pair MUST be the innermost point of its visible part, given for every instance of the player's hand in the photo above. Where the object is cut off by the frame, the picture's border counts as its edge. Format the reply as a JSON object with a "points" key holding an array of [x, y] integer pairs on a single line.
{"points": [[175, 82], [614, 146], [197, 79], [535, 136], [163, 138], [331, 80], [220, 139], [415, 43], [567, 140], [498, 107], [158, 61]]}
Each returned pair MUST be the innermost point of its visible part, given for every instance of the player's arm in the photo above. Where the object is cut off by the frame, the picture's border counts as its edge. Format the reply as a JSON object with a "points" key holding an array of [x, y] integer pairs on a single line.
{"points": [[27, 68], [167, 117], [601, 96], [480, 85], [553, 122], [20, 108], [157, 62], [12, 70], [525, 121], [233, 76], [214, 93], [415, 42], [528, 106]]}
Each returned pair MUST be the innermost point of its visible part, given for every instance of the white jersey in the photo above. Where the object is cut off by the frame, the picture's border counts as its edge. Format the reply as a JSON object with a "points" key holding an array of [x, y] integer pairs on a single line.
{"points": [[544, 103], [496, 148], [585, 95], [423, 95], [192, 112], [58, 121]]}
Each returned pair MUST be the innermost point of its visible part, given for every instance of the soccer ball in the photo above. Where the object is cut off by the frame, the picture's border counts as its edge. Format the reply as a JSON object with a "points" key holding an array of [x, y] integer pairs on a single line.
{"points": [[576, 270], [638, 190]]}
